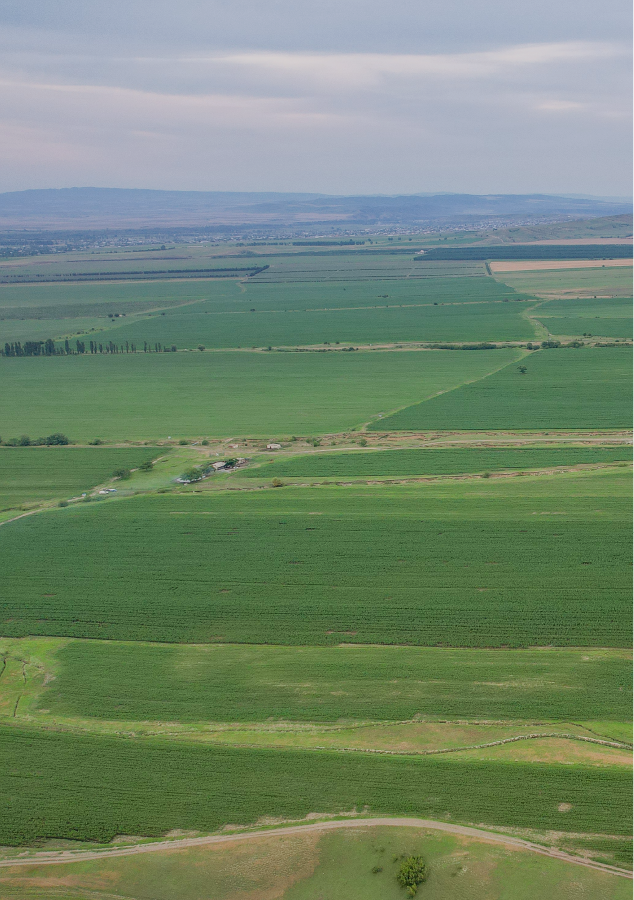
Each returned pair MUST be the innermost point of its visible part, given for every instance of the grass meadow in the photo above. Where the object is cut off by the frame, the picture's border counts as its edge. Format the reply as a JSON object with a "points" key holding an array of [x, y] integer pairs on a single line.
{"points": [[519, 562], [151, 396], [29, 474], [585, 388], [331, 864], [451, 461]]}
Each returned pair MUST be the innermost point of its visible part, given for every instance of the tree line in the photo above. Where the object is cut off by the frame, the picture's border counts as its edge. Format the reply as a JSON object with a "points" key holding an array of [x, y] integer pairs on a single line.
{"points": [[50, 348]]}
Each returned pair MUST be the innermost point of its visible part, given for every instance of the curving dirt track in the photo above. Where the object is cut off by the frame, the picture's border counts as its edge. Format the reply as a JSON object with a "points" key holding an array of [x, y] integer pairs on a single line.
{"points": [[67, 856]]}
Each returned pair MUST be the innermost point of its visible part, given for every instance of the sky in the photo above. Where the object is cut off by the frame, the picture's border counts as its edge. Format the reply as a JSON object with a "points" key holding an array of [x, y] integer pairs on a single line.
{"points": [[327, 96]]}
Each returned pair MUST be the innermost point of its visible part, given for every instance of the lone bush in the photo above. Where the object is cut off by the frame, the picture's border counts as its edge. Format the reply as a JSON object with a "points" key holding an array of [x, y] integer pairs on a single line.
{"points": [[146, 466], [192, 475], [122, 474], [413, 871], [277, 483]]}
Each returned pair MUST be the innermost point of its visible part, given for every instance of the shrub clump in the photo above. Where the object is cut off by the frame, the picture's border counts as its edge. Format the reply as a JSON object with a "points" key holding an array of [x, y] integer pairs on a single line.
{"points": [[413, 871]]}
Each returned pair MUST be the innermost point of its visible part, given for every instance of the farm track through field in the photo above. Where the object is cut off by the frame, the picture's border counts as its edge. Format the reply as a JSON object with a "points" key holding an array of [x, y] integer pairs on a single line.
{"points": [[67, 856]]}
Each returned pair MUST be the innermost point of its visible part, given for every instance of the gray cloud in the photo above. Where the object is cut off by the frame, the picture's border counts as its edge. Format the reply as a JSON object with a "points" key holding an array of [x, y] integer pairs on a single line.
{"points": [[259, 96]]}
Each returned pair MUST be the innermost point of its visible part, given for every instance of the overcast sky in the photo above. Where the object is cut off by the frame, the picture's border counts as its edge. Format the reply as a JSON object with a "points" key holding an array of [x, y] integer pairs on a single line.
{"points": [[332, 96]]}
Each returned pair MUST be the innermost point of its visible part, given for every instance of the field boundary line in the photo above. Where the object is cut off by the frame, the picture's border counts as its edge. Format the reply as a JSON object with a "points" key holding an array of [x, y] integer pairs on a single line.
{"points": [[618, 745], [393, 412], [67, 856]]}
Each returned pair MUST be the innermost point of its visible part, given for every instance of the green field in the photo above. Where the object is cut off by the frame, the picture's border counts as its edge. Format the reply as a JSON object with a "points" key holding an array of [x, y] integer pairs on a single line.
{"points": [[452, 461], [29, 474], [458, 322], [92, 788], [599, 327], [42, 329], [589, 307], [150, 396], [505, 562], [304, 866], [589, 388], [240, 683], [606, 318]]}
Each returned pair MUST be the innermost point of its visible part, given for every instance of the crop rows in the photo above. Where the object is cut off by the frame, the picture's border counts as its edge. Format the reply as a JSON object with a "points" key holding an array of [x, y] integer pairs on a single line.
{"points": [[150, 396], [236, 683], [89, 788], [589, 388], [460, 567], [461, 322], [434, 462]]}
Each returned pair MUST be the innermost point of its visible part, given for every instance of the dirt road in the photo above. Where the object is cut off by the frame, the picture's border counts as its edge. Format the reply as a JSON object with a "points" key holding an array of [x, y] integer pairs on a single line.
{"points": [[68, 856]]}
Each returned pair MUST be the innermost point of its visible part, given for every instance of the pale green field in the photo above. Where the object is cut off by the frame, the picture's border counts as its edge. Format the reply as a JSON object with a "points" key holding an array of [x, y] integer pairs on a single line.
{"points": [[612, 281]]}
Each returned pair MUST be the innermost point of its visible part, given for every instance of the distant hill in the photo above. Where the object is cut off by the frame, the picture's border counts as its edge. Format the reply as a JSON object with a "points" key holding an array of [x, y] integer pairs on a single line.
{"points": [[95, 208]]}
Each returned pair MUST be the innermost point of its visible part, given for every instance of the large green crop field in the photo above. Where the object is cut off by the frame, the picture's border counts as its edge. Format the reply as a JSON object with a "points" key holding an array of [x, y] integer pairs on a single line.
{"points": [[517, 562], [452, 461], [28, 474], [463, 321], [241, 683], [85, 787], [149, 396], [588, 388]]}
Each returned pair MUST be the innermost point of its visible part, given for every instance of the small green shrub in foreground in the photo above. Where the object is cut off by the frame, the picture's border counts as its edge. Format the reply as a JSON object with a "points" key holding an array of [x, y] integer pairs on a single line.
{"points": [[412, 872]]}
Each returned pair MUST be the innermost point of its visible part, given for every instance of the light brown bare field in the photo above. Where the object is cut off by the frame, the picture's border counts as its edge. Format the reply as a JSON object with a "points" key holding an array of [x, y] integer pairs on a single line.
{"points": [[533, 265]]}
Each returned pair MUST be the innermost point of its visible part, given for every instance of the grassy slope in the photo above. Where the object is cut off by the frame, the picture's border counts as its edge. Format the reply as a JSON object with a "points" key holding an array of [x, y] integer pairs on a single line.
{"points": [[517, 562], [28, 474], [588, 388], [145, 396], [433, 462], [330, 865], [159, 682], [150, 787]]}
